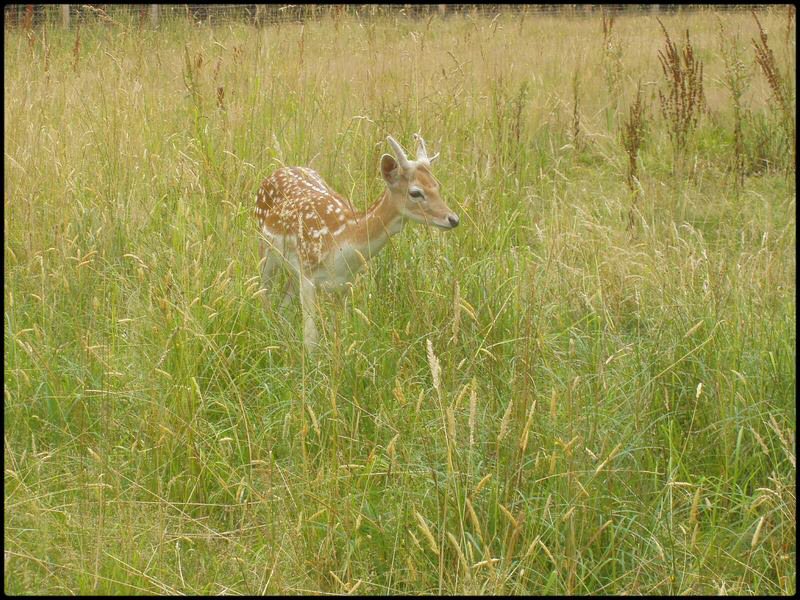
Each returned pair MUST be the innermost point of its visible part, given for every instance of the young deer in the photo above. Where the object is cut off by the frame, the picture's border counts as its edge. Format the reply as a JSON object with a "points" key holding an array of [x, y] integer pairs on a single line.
{"points": [[307, 225]]}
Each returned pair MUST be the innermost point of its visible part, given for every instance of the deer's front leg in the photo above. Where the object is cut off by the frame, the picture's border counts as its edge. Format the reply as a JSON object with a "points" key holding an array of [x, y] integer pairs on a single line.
{"points": [[308, 304], [289, 292]]}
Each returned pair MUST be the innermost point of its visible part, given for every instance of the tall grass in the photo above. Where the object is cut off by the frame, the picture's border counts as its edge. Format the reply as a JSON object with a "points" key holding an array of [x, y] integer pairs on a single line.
{"points": [[542, 401], [683, 100], [632, 136], [736, 80], [782, 87]]}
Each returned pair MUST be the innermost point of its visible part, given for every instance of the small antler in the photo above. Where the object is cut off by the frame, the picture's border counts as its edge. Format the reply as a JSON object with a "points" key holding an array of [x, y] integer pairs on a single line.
{"points": [[401, 156], [422, 151]]}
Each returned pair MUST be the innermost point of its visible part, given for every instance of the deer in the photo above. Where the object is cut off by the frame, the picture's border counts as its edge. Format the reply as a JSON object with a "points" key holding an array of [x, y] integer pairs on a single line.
{"points": [[314, 231]]}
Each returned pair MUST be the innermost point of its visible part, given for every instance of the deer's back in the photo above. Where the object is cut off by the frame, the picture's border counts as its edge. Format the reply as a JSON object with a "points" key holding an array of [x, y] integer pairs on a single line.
{"points": [[298, 211]]}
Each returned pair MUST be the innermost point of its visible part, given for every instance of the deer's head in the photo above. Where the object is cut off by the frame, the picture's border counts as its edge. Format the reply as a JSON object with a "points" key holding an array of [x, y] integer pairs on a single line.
{"points": [[412, 187]]}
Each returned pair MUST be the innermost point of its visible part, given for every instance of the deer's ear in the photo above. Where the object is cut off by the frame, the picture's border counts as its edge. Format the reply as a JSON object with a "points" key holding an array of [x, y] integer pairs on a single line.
{"points": [[390, 170]]}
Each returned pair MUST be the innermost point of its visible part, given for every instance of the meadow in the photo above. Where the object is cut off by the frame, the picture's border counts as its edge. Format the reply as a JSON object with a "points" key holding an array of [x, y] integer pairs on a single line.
{"points": [[588, 387]]}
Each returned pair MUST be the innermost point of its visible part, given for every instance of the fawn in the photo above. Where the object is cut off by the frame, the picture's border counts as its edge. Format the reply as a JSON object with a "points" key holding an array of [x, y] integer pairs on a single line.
{"points": [[324, 240]]}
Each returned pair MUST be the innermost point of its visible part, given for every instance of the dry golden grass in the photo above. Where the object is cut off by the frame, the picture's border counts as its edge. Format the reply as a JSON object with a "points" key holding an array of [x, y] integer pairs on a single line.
{"points": [[570, 393]]}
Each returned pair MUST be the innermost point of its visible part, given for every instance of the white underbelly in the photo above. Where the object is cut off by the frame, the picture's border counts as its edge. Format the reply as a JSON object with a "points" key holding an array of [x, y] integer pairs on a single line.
{"points": [[338, 269]]}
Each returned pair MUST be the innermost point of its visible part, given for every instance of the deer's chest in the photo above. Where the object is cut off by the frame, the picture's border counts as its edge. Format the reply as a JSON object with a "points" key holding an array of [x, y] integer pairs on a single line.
{"points": [[342, 265]]}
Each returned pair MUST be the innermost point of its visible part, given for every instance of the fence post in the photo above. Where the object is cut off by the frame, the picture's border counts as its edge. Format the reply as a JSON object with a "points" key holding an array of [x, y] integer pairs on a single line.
{"points": [[154, 15], [442, 9], [65, 15]]}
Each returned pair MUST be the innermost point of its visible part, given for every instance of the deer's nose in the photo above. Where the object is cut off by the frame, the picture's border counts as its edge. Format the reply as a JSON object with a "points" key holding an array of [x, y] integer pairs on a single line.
{"points": [[453, 220]]}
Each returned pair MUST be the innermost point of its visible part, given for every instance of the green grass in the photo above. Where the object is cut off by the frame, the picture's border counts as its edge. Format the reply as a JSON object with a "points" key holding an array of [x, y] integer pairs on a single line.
{"points": [[546, 400]]}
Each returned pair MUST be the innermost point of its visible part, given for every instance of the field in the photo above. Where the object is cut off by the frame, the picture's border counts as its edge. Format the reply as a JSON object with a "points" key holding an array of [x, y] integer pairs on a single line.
{"points": [[588, 387]]}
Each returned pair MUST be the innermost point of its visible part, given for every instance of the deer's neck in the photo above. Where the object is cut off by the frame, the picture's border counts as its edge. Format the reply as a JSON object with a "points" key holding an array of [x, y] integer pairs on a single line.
{"points": [[374, 227]]}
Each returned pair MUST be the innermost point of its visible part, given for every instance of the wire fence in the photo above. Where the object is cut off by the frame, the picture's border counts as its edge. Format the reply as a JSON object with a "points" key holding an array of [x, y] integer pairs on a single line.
{"points": [[152, 15]]}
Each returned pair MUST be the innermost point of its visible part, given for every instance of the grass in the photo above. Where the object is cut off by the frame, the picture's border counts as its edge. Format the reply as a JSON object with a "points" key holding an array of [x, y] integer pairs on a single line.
{"points": [[557, 397]]}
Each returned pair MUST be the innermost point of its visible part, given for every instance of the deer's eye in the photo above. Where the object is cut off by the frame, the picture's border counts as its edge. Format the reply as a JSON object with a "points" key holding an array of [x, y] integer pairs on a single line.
{"points": [[416, 194]]}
